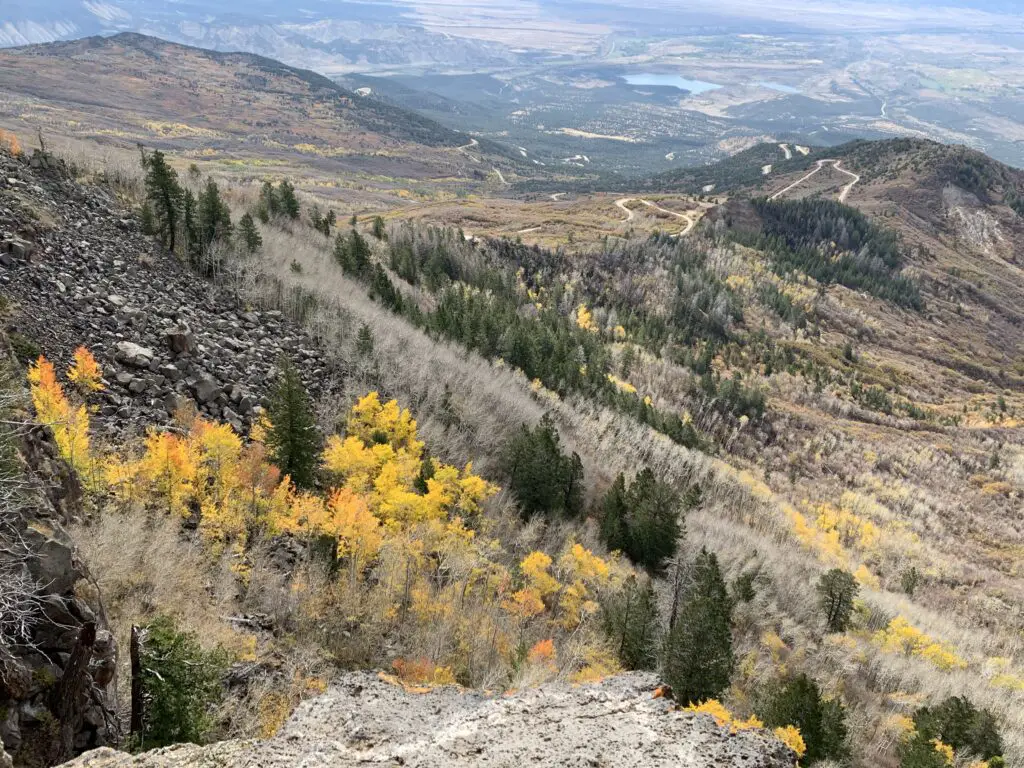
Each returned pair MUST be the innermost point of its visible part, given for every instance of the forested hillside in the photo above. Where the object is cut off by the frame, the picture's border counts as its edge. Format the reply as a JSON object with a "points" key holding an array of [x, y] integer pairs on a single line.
{"points": [[776, 460]]}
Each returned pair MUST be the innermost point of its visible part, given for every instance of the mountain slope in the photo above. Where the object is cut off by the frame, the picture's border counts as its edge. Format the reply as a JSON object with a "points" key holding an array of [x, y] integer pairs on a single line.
{"points": [[761, 364], [238, 105]]}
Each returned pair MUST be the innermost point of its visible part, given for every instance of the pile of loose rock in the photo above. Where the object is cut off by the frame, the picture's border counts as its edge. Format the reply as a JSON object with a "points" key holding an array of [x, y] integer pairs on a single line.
{"points": [[79, 271]]}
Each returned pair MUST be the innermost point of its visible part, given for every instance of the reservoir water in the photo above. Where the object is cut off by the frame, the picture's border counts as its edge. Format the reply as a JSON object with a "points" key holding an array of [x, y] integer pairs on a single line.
{"points": [[676, 81]]}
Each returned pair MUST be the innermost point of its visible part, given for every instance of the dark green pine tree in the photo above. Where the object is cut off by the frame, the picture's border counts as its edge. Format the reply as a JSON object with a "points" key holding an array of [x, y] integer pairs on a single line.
{"points": [[359, 253], [836, 592], [383, 290], [180, 685], [613, 516], [292, 438], [147, 220], [364, 340], [961, 725], [214, 216], [652, 523], [250, 235], [269, 205], [822, 724], [573, 468], [379, 230], [289, 203], [698, 654], [631, 623], [919, 752], [642, 520], [543, 479], [164, 195], [353, 254]]}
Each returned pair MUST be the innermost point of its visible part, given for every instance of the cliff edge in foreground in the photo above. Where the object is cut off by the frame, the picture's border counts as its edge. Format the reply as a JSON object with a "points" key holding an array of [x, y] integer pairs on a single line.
{"points": [[365, 719]]}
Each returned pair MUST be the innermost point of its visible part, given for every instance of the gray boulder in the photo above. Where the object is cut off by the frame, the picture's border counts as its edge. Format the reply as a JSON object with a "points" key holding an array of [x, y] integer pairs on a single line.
{"points": [[133, 354]]}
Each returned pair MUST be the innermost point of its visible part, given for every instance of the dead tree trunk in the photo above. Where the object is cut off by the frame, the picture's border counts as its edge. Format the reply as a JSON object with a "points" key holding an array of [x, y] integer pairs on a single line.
{"points": [[138, 705], [66, 697]]}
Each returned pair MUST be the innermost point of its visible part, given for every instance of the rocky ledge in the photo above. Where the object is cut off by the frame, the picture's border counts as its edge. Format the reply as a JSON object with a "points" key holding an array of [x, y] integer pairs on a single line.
{"points": [[366, 718]]}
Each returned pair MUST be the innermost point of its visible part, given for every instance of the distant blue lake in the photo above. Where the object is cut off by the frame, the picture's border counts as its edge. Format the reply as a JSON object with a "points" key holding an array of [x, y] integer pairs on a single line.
{"points": [[777, 86], [675, 81]]}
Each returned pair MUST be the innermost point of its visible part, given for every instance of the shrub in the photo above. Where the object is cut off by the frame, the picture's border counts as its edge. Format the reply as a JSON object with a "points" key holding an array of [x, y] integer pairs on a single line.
{"points": [[180, 683]]}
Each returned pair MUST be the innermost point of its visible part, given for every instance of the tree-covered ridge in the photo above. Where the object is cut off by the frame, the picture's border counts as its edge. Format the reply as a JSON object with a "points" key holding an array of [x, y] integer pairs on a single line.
{"points": [[834, 243]]}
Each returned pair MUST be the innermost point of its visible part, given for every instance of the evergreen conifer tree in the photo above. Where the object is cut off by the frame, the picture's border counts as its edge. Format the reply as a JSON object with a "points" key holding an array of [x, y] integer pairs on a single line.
{"points": [[250, 235], [364, 340], [698, 654], [164, 195], [288, 202], [269, 205], [613, 516], [543, 479], [837, 590], [652, 524], [292, 437], [189, 227], [642, 520], [214, 217], [822, 724], [631, 622]]}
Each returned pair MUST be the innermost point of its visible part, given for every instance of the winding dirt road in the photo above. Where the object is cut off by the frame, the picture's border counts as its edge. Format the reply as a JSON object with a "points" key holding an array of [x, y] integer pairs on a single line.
{"points": [[843, 193], [464, 149], [690, 220], [621, 203]]}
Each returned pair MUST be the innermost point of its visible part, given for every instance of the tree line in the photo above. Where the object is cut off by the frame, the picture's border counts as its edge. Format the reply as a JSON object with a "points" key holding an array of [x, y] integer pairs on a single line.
{"points": [[833, 243]]}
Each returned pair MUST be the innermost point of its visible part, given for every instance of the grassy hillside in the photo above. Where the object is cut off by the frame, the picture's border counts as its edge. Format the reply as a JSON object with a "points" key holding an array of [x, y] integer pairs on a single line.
{"points": [[238, 113], [821, 384]]}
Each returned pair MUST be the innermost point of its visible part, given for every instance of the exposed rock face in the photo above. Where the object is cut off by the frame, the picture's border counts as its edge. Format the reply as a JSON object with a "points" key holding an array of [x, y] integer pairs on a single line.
{"points": [[79, 273], [56, 689], [365, 720]]}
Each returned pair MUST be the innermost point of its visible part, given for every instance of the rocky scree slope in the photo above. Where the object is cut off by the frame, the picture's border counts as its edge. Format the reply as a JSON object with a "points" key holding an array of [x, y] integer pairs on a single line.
{"points": [[78, 271], [366, 719]]}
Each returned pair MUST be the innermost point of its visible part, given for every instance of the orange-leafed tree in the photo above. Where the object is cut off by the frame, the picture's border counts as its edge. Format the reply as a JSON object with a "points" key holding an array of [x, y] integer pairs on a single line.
{"points": [[10, 141]]}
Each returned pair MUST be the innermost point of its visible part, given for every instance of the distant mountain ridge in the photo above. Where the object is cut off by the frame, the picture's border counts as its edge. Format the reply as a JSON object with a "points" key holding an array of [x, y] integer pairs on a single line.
{"points": [[140, 88]]}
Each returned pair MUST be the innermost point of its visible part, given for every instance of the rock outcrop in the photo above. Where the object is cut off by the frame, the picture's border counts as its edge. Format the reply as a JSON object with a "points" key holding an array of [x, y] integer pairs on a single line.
{"points": [[56, 685], [365, 719]]}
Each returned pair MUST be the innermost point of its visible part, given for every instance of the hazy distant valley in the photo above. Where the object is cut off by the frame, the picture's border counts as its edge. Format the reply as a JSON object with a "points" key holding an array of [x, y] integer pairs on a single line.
{"points": [[624, 92]]}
